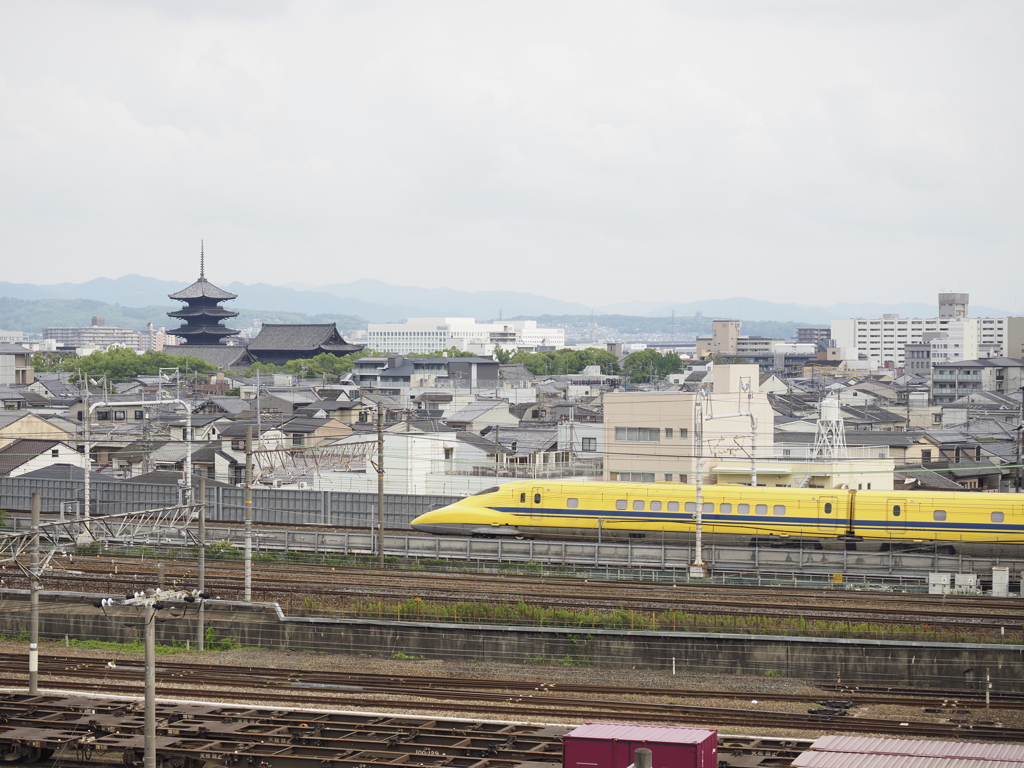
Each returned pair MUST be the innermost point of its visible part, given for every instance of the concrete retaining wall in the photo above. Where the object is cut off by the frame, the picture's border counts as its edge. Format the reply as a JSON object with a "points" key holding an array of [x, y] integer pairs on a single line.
{"points": [[822, 661]]}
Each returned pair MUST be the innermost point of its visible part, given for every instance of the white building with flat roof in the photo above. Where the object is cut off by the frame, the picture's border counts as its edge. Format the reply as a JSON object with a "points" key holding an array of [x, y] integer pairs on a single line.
{"points": [[421, 335]]}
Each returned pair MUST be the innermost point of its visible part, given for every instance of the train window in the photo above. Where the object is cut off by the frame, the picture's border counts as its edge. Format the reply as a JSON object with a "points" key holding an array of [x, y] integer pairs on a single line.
{"points": [[939, 514], [691, 506], [828, 507], [522, 498], [725, 509], [709, 508], [638, 505], [492, 489], [761, 509], [572, 503], [997, 517], [536, 498], [655, 506], [673, 506], [620, 503], [896, 510], [779, 509], [743, 509]]}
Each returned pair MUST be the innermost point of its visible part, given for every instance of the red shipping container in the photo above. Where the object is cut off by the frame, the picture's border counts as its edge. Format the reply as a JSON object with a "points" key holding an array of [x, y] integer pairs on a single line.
{"points": [[611, 745]]}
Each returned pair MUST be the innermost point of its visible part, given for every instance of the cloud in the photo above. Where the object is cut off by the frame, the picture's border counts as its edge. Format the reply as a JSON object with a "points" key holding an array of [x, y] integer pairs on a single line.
{"points": [[594, 150]]}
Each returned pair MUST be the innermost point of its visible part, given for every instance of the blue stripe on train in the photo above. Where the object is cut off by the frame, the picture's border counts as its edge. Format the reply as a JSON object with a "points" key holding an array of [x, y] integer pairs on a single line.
{"points": [[621, 516]]}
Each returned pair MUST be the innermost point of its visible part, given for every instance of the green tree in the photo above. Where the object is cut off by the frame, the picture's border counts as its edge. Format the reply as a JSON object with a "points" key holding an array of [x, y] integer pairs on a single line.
{"points": [[651, 365], [314, 367], [567, 361], [450, 352], [121, 364], [503, 356]]}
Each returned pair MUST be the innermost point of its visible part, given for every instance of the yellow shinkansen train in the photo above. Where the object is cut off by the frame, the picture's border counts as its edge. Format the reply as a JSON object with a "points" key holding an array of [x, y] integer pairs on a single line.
{"points": [[563, 509]]}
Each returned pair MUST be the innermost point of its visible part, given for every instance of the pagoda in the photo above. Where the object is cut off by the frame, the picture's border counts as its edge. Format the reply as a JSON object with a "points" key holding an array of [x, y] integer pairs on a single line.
{"points": [[202, 316]]}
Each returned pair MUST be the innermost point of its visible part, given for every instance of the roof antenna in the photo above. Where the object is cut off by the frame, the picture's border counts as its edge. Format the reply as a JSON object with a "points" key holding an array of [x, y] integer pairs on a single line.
{"points": [[202, 262]]}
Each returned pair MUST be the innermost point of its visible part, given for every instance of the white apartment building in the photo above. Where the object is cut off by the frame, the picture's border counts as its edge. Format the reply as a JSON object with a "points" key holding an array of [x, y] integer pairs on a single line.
{"points": [[421, 335], [885, 339]]}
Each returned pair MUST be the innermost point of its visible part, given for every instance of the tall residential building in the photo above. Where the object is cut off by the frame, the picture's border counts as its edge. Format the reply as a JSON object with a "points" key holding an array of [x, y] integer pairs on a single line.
{"points": [[813, 335], [419, 335], [953, 305], [885, 339], [98, 334]]}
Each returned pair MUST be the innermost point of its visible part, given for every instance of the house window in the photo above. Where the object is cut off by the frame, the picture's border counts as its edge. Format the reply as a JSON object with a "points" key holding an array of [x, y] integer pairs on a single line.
{"points": [[589, 443], [140, 415], [637, 435], [926, 456], [449, 454], [364, 417], [668, 433], [55, 453], [298, 439], [102, 415], [683, 432], [668, 477], [535, 413], [120, 415], [238, 444]]}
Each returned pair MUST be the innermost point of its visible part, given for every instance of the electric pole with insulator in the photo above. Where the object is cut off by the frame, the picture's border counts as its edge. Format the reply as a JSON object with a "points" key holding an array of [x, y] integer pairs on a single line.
{"points": [[380, 483]]}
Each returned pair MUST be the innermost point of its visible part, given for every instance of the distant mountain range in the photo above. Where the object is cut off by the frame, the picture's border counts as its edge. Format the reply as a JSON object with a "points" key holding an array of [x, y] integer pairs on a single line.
{"points": [[378, 301]]}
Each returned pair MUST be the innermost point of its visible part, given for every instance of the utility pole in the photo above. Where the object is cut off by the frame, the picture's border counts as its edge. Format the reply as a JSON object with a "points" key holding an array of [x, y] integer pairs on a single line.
{"points": [[149, 641], [34, 587], [697, 568], [497, 451], [201, 558], [150, 603], [248, 513], [380, 483], [1020, 443]]}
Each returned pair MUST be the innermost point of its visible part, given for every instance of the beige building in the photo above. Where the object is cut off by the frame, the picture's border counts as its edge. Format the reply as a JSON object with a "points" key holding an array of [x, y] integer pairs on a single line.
{"points": [[726, 341], [27, 426], [649, 436]]}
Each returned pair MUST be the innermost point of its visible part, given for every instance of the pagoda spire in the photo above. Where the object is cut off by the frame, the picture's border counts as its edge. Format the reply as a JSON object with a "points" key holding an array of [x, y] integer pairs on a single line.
{"points": [[203, 317]]}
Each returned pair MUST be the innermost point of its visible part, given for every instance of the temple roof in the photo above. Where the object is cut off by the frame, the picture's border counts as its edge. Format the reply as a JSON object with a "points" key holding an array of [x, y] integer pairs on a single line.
{"points": [[219, 355], [202, 312], [202, 289], [301, 337]]}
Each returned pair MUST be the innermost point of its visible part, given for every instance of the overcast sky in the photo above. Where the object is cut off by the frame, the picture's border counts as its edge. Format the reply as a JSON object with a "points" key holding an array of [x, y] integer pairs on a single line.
{"points": [[813, 151]]}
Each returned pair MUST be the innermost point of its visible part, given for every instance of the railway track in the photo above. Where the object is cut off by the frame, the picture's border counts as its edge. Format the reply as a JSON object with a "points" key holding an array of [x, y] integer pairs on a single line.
{"points": [[79, 732], [280, 583], [510, 699]]}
